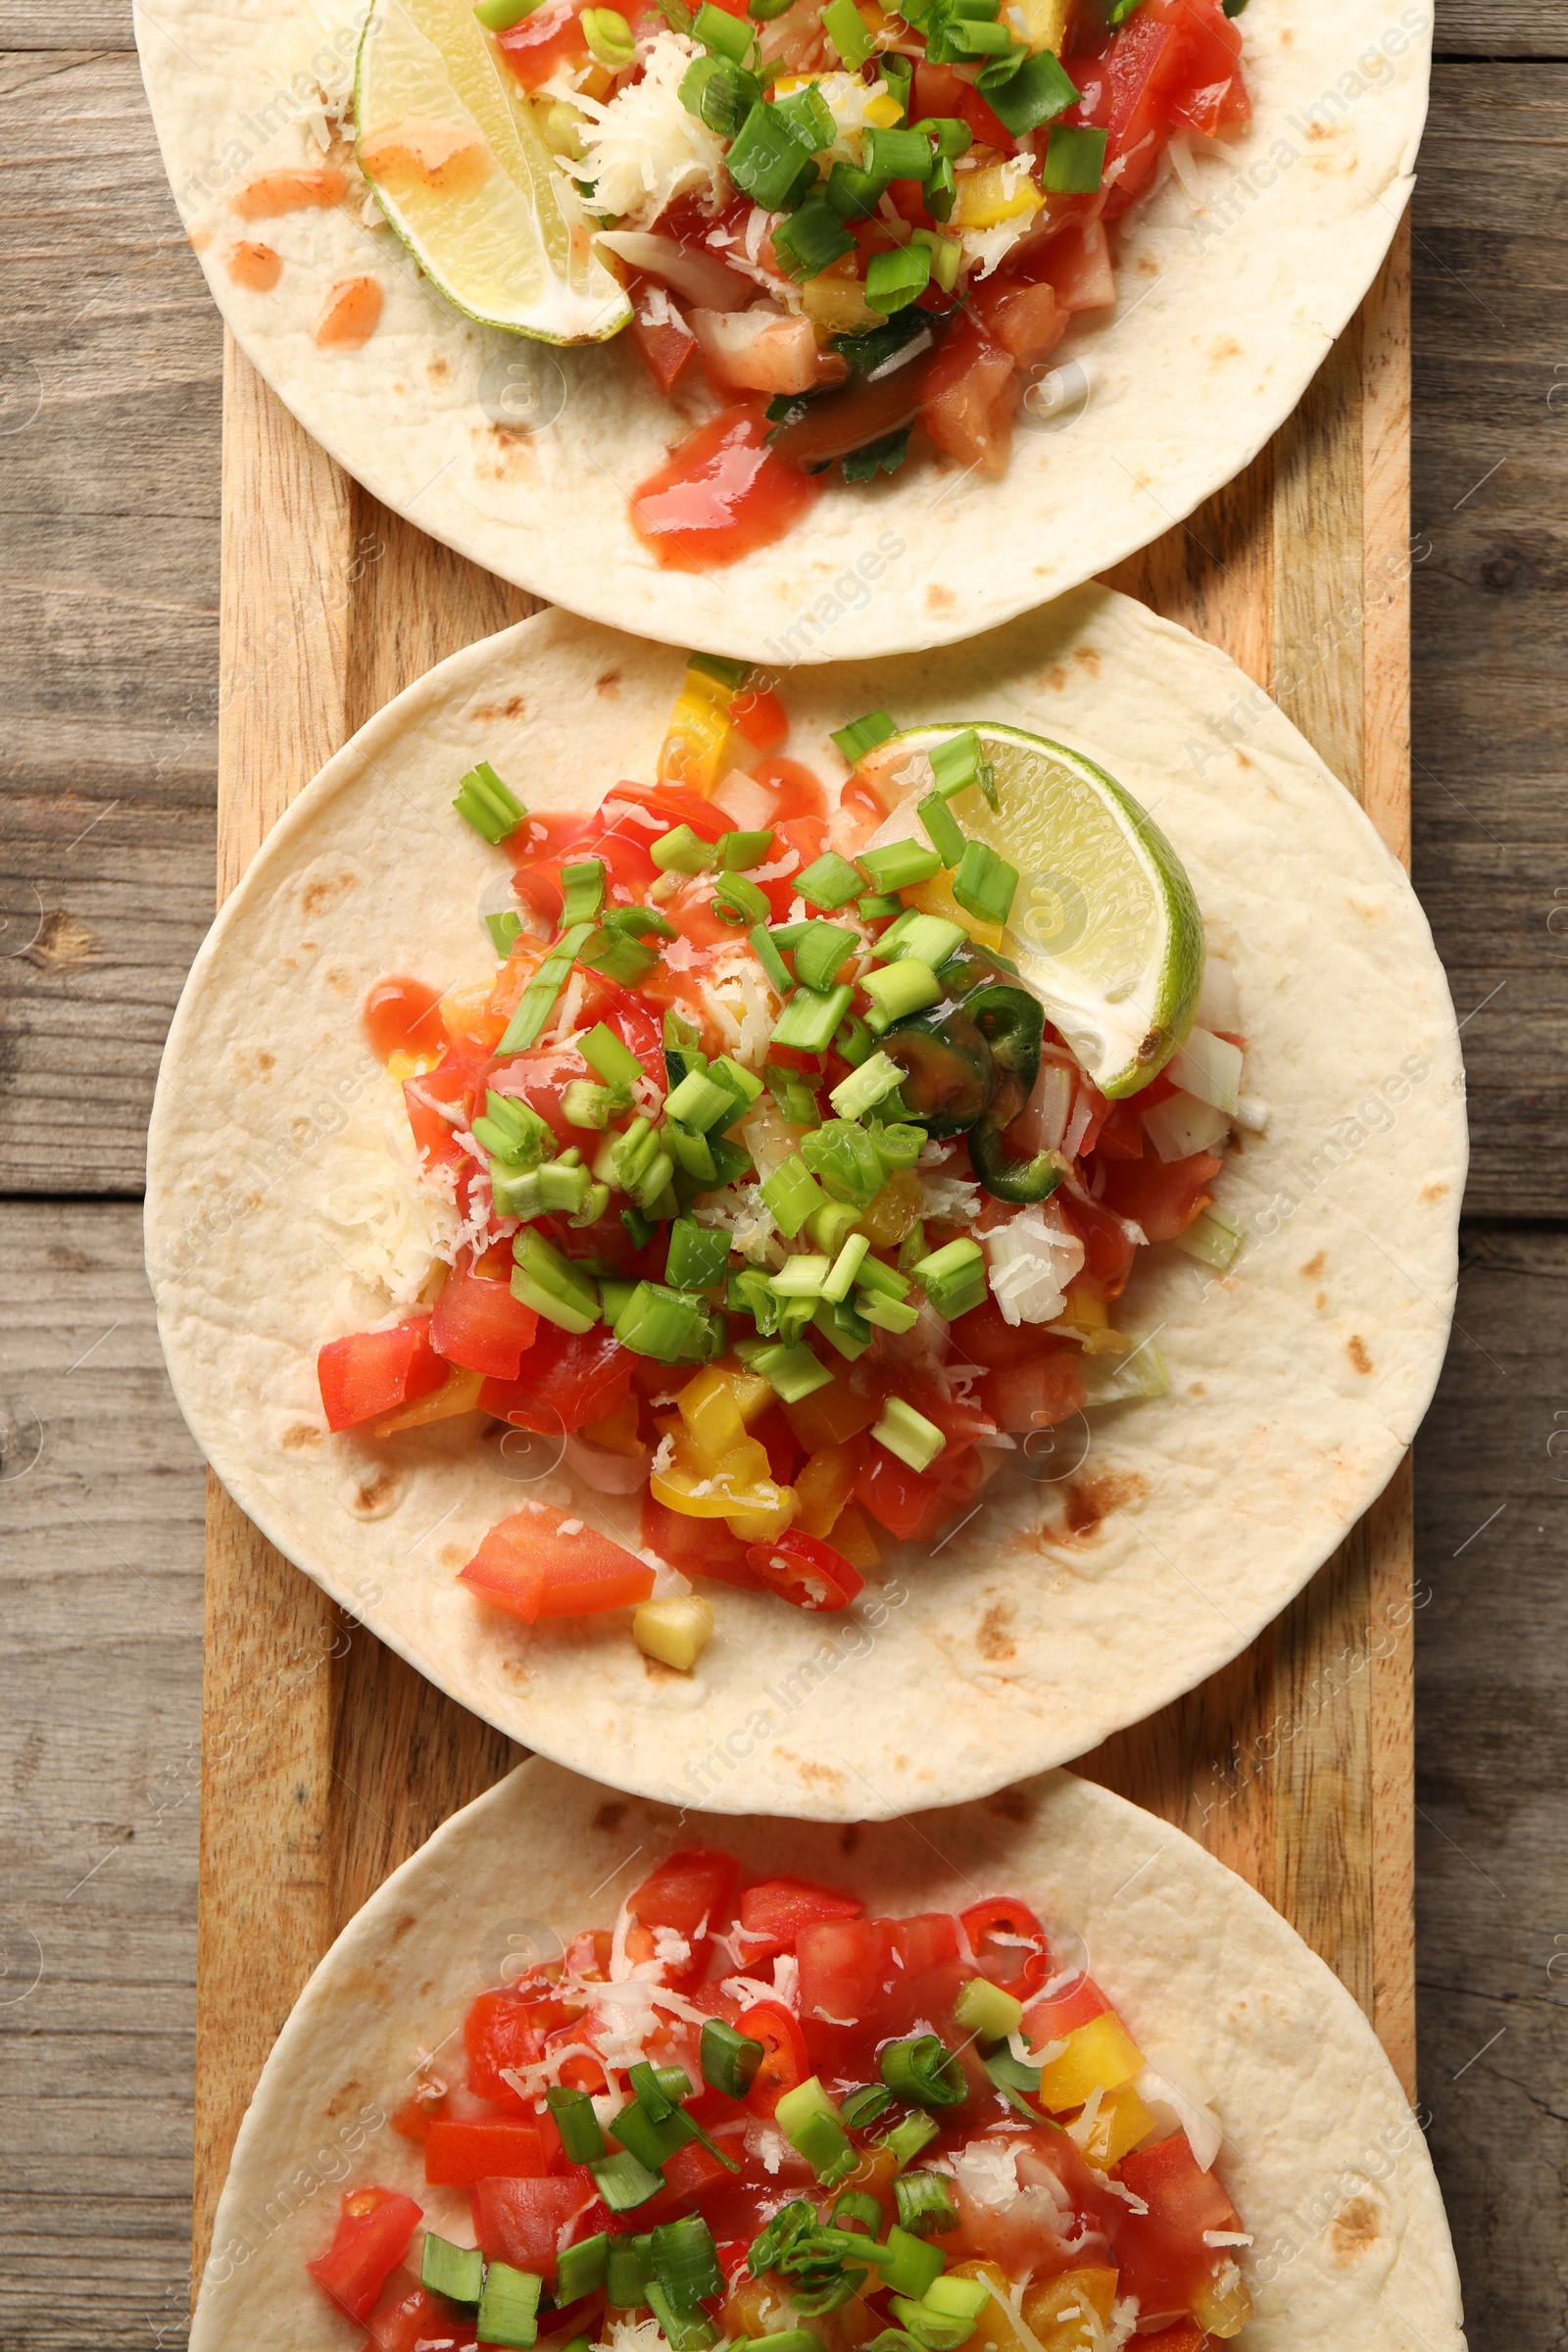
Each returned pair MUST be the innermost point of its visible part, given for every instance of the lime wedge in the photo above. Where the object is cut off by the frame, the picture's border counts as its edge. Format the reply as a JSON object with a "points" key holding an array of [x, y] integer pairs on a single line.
{"points": [[1104, 926], [459, 170]]}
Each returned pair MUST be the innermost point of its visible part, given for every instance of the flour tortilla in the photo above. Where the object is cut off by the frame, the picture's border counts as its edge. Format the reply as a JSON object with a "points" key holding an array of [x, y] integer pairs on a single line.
{"points": [[1133, 1561], [1322, 2155], [1229, 300]]}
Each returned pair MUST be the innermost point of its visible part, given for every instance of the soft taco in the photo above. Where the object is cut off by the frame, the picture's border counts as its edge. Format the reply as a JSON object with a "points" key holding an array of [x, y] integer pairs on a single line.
{"points": [[822, 1203], [591, 295], [1034, 2075]]}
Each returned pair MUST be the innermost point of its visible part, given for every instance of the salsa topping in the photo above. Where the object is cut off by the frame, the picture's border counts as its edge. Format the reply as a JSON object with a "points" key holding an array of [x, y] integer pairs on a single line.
{"points": [[767, 1188], [764, 2120]]}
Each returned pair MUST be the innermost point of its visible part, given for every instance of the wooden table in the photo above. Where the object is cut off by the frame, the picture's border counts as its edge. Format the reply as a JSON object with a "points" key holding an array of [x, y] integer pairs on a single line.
{"points": [[108, 667]]}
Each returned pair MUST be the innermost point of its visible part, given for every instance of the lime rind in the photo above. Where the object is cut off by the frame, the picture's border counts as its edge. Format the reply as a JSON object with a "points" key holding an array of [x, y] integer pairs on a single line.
{"points": [[1105, 925], [514, 251]]}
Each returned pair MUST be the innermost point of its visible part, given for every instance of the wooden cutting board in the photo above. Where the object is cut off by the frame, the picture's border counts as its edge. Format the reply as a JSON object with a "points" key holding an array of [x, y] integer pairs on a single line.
{"points": [[327, 1760]]}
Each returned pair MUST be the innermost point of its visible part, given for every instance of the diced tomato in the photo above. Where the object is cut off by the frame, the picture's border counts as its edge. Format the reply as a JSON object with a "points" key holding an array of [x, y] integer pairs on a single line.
{"points": [[784, 2060], [761, 717], [971, 391], [457, 1082], [372, 1372], [419, 2112], [520, 2222], [401, 1018], [903, 1500], [1009, 2233], [775, 1436], [668, 805], [1055, 2016], [1076, 265], [938, 91], [689, 1894], [774, 1912], [1115, 1131], [1163, 1197], [1173, 66], [1038, 1394], [696, 1546], [1109, 1251], [805, 1570], [541, 44], [986, 1338], [528, 1568], [666, 346], [843, 1964], [477, 1323], [416, 2317], [457, 2155], [1183, 2335], [1023, 317], [1165, 2263], [722, 493], [692, 2171], [375, 2227], [498, 2032], [566, 1378], [1008, 1942]]}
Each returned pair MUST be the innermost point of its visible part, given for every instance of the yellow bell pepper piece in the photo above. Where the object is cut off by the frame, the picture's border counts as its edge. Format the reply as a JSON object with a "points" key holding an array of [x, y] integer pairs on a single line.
{"points": [[458, 1393], [674, 1632], [403, 1066], [1121, 2122], [1072, 2311], [824, 1484], [618, 1432], [993, 193], [996, 2330], [852, 1536], [704, 1487], [935, 897], [719, 1406], [1100, 2056], [1223, 2311], [894, 1211], [883, 112], [695, 750], [834, 305], [1045, 22], [764, 1525]]}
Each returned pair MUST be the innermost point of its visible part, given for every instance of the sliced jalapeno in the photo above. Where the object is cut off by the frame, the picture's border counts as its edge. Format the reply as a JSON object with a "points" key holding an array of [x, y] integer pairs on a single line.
{"points": [[1007, 1178], [948, 1070], [1013, 1024]]}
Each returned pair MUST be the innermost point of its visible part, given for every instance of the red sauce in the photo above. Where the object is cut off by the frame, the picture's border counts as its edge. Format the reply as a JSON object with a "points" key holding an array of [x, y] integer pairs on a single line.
{"points": [[277, 192], [720, 495], [351, 314], [401, 1018], [255, 266]]}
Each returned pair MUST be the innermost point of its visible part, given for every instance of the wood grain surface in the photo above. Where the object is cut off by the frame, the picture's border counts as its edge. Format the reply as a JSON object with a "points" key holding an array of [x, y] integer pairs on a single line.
{"points": [[111, 368]]}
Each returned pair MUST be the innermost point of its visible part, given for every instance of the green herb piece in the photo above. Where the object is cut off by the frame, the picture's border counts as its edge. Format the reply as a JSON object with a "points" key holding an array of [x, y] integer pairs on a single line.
{"points": [[953, 1278], [684, 2330], [702, 1102], [984, 2010], [642, 922], [726, 36], [811, 239], [863, 735], [727, 669], [920, 2070], [686, 2259], [899, 74], [541, 1278], [810, 2121], [1075, 161], [958, 762], [681, 851], [791, 1194], [875, 907], [485, 803], [692, 1152], [900, 864], [947, 253], [829, 882], [884, 1281], [843, 1155], [719, 92], [808, 1020], [897, 989], [1037, 92], [852, 1040], [855, 2205], [1012, 2078], [587, 1105], [642, 1230], [456, 2271], [914, 1439], [853, 194], [786, 2340], [771, 961], [894, 154], [845, 27], [610, 949], [792, 1093], [946, 834], [949, 136], [800, 1277], [792, 2222], [602, 1050], [889, 1314], [729, 2060], [845, 1267], [790, 1371], [925, 2204], [500, 16], [699, 1255], [894, 280], [608, 37], [513, 1131], [580, 2269], [877, 457], [630, 2265], [508, 2308], [824, 953], [808, 116]]}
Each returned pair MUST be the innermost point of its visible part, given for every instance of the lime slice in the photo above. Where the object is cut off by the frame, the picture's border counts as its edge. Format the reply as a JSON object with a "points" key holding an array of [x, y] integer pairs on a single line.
{"points": [[1104, 926], [459, 170]]}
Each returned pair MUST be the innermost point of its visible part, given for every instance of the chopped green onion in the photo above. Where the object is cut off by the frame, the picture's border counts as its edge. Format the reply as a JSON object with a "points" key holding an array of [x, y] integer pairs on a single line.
{"points": [[684, 2328], [830, 882], [905, 2141], [984, 2010], [581, 2268], [853, 1039], [808, 116], [932, 2330], [727, 36], [894, 280], [1075, 161], [643, 922], [615, 951], [538, 1000], [843, 1328], [907, 2263], [866, 1084], [608, 37], [787, 2339], [681, 851], [877, 908], [485, 803], [885, 1281], [586, 1104], [743, 1084], [1037, 93], [918, 1442], [985, 884], [630, 2264], [789, 935], [844, 1155], [686, 2259], [821, 955], [577, 2123], [925, 2204], [863, 735], [700, 1102], [698, 1257], [594, 1206], [894, 154], [889, 1314], [1012, 2078], [456, 2271], [958, 2298], [541, 1278], [642, 1230], [829, 1227], [562, 1189], [739, 901], [652, 2139], [718, 93], [792, 2222], [920, 2070], [767, 161], [929, 938], [952, 136], [771, 961], [853, 194], [790, 1371], [791, 1194], [947, 835], [738, 850], [500, 16], [901, 864], [855, 2204], [727, 669], [502, 930], [899, 989], [947, 253], [800, 1278], [673, 1327], [956, 762], [836, 1283], [845, 27], [912, 1249], [602, 1050], [792, 1093], [810, 2121], [508, 2308], [954, 1279], [692, 1152], [513, 1130], [729, 2060], [808, 1020]]}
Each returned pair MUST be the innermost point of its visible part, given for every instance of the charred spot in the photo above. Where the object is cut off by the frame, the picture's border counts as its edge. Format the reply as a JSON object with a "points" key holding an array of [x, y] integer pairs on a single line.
{"points": [[608, 682], [316, 897], [993, 1636], [1355, 1350], [1313, 1268], [1354, 2228], [611, 1816], [850, 1838], [298, 1436], [1011, 1804], [1089, 1502], [939, 599]]}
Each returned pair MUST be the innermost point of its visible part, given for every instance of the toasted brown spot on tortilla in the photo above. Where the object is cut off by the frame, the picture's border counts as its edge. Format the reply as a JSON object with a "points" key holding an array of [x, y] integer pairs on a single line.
{"points": [[992, 1638], [1353, 2229], [1356, 1351], [1225, 347], [939, 599], [437, 370], [376, 1490], [606, 682], [1434, 1191], [409, 1919], [1056, 677], [1196, 1388], [1320, 130], [453, 1556], [1087, 658], [812, 1772], [298, 1436], [1321, 1300], [316, 897], [1312, 1268], [611, 1816], [1011, 1804], [1091, 1500], [517, 707], [62, 941], [1242, 761]]}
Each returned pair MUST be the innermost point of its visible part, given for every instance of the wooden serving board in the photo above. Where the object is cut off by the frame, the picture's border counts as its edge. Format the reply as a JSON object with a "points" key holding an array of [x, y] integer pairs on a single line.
{"points": [[325, 1759]]}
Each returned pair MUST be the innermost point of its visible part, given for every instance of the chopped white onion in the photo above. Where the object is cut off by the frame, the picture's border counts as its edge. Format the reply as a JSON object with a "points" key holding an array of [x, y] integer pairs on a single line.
{"points": [[1209, 1067], [1182, 1125]]}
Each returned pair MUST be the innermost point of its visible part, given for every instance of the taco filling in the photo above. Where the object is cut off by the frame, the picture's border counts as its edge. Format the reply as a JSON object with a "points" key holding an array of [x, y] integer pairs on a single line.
{"points": [[779, 2125], [836, 226], [786, 1177]]}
